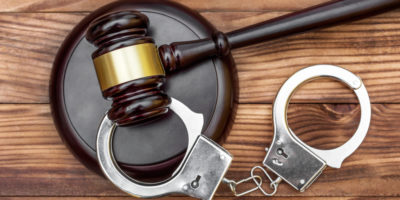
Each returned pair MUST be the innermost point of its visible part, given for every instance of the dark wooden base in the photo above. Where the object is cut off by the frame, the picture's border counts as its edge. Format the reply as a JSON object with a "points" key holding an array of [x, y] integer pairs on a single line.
{"points": [[156, 148]]}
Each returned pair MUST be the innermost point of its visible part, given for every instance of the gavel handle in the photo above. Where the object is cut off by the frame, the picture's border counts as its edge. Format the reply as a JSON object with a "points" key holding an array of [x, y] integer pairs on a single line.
{"points": [[181, 54]]}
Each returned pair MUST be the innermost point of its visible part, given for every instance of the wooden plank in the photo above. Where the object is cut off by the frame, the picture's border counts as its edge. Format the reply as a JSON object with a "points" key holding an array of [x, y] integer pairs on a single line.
{"points": [[204, 5], [368, 47], [29, 43], [34, 162], [189, 198]]}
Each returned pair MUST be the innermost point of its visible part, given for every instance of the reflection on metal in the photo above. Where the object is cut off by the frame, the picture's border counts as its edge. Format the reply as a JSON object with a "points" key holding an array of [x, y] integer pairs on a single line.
{"points": [[293, 160], [204, 165]]}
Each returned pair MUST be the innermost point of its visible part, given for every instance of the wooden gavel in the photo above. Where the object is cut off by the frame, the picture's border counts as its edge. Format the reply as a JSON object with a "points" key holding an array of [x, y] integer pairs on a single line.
{"points": [[131, 71]]}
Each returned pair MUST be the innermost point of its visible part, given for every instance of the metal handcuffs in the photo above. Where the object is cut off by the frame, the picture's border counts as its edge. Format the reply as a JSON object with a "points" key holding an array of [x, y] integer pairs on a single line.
{"points": [[293, 160], [203, 167], [205, 162]]}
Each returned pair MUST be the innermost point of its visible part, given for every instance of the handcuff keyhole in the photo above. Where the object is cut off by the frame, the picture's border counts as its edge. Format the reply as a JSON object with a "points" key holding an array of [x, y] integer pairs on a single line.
{"points": [[195, 183], [282, 153]]}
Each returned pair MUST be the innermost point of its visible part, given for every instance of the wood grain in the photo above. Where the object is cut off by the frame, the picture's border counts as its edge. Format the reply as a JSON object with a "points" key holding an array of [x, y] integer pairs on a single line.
{"points": [[34, 162], [369, 48], [187, 198], [204, 5]]}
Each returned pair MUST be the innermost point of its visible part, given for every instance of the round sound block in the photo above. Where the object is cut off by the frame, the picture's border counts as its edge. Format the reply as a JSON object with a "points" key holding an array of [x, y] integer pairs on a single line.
{"points": [[157, 147]]}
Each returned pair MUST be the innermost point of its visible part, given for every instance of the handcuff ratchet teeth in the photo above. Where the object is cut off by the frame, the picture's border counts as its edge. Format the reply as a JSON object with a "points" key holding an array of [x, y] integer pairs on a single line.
{"points": [[204, 165], [290, 158]]}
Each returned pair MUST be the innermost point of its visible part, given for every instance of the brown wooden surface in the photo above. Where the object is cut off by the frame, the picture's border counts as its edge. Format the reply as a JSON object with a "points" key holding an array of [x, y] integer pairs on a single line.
{"points": [[35, 163]]}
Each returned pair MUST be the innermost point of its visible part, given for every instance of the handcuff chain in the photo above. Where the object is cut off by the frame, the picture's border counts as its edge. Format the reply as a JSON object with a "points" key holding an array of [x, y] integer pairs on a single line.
{"points": [[273, 183], [233, 184], [258, 180]]}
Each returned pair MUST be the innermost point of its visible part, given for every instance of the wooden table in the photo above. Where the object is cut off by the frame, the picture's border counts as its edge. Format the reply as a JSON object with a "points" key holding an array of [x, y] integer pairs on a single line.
{"points": [[34, 163]]}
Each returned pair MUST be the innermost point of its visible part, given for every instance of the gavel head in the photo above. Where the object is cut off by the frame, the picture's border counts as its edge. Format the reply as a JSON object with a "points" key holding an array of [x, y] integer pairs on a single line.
{"points": [[128, 67]]}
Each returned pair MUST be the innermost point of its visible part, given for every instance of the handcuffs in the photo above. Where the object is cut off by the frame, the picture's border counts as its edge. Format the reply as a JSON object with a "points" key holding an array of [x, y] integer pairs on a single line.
{"points": [[205, 162]]}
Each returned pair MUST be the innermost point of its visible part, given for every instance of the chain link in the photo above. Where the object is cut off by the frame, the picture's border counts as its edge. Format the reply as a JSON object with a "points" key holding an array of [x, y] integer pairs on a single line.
{"points": [[233, 185], [273, 183], [258, 180]]}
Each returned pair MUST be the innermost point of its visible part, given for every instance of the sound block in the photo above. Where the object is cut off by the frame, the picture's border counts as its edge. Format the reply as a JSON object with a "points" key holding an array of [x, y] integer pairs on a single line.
{"points": [[156, 148]]}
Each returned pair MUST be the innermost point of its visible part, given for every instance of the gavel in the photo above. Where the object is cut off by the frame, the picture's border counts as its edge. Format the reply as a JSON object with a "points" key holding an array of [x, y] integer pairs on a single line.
{"points": [[132, 71]]}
